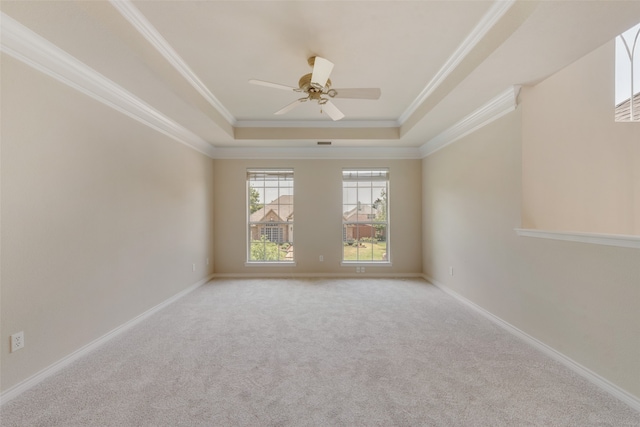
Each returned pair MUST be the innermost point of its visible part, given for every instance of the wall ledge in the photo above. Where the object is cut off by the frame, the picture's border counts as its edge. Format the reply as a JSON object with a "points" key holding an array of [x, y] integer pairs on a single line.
{"points": [[620, 240]]}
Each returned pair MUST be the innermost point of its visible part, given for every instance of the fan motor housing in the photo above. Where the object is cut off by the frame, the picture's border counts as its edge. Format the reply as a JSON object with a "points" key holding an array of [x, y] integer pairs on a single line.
{"points": [[305, 85]]}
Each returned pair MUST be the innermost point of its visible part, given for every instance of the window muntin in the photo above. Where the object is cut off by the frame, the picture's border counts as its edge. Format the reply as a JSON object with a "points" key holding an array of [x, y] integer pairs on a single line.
{"points": [[628, 75], [270, 215], [365, 226]]}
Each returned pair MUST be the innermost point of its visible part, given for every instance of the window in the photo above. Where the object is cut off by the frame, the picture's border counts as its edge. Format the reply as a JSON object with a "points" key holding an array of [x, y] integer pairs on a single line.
{"points": [[270, 216], [272, 232], [628, 75], [365, 225]]}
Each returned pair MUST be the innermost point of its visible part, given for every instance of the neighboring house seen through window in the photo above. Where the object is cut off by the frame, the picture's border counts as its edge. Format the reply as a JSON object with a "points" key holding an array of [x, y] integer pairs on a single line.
{"points": [[365, 226], [270, 213]]}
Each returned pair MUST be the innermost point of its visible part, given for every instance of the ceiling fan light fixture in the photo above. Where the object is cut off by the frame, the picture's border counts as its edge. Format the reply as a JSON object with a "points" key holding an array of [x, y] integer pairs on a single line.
{"points": [[316, 85]]}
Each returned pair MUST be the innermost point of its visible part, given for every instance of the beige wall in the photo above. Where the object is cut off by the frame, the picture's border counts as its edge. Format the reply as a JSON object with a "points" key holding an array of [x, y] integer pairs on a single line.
{"points": [[580, 167], [318, 216], [580, 299], [102, 219]]}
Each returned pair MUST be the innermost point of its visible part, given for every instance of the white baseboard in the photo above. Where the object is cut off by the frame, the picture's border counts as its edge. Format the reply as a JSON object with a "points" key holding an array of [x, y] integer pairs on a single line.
{"points": [[316, 275], [586, 373], [25, 385]]}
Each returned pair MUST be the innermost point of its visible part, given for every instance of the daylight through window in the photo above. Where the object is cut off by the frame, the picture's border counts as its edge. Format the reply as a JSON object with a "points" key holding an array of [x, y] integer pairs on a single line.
{"points": [[628, 75], [365, 213], [270, 213]]}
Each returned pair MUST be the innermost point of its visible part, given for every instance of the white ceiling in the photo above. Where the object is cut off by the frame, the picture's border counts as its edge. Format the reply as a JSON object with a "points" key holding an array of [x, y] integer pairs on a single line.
{"points": [[434, 61]]}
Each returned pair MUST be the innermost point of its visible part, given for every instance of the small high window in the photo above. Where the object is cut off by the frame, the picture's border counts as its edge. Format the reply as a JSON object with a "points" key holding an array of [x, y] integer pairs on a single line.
{"points": [[270, 215], [365, 213], [628, 75]]}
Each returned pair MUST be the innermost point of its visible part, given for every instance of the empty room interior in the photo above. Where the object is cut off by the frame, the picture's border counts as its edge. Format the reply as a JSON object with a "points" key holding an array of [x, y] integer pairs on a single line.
{"points": [[320, 213]]}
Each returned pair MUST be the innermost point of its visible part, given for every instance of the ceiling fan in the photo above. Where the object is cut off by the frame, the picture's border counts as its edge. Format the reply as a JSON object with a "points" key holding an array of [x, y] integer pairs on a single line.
{"points": [[317, 87]]}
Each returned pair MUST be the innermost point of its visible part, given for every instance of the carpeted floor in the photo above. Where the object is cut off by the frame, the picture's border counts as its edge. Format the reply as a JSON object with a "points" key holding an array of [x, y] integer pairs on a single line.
{"points": [[316, 353]]}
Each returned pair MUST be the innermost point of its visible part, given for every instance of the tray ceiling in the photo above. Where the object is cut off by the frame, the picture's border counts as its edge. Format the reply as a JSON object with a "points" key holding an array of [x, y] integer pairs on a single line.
{"points": [[434, 61]]}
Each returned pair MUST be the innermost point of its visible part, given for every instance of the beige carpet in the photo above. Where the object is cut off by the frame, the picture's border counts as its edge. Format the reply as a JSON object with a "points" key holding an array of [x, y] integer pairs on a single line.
{"points": [[316, 353]]}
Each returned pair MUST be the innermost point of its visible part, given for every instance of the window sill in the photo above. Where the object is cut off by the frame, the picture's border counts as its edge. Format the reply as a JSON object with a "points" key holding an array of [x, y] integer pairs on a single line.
{"points": [[620, 240], [365, 264], [270, 264]]}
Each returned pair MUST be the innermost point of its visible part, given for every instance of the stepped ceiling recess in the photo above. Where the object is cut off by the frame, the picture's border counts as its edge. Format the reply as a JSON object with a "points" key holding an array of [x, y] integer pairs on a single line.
{"points": [[184, 66]]}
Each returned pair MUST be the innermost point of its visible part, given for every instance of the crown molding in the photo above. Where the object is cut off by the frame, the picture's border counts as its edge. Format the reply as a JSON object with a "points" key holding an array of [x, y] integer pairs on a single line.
{"points": [[328, 152], [28, 47], [497, 10], [497, 107], [153, 36]]}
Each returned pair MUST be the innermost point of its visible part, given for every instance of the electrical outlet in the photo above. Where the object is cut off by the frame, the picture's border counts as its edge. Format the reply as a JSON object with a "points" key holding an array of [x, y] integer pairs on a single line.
{"points": [[17, 341], [450, 271], [194, 266], [321, 258]]}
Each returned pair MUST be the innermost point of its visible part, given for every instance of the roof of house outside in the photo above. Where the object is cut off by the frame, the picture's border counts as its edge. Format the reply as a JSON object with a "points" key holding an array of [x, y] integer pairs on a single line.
{"points": [[622, 109], [362, 213], [282, 209], [359, 218]]}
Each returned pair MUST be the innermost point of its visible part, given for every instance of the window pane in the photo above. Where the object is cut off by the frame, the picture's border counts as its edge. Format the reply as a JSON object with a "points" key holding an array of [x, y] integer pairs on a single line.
{"points": [[364, 194], [380, 233], [368, 249], [349, 212], [271, 194], [350, 196], [627, 77], [270, 215], [257, 251], [365, 225]]}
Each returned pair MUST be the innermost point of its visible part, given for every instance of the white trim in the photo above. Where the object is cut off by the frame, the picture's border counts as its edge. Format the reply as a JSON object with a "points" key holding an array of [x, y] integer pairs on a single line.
{"points": [[317, 152], [367, 124], [497, 107], [153, 36], [270, 264], [315, 275], [497, 10], [620, 240], [40, 54], [584, 372], [37, 378]]}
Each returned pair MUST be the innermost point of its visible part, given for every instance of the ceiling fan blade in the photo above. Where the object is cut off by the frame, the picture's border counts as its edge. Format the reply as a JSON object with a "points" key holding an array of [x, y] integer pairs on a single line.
{"points": [[360, 93], [332, 111], [273, 85], [291, 106], [321, 71]]}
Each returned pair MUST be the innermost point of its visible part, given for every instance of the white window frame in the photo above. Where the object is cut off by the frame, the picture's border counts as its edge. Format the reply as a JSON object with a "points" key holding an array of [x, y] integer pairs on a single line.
{"points": [[375, 174], [282, 224], [627, 75]]}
